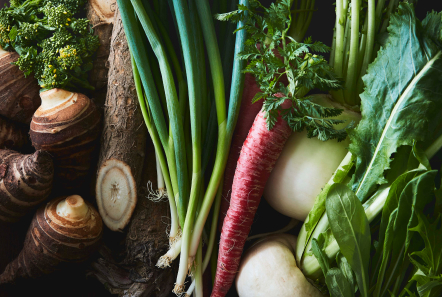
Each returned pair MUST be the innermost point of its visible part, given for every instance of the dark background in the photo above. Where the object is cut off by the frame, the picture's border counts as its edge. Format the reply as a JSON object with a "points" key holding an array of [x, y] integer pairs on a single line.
{"points": [[266, 219]]}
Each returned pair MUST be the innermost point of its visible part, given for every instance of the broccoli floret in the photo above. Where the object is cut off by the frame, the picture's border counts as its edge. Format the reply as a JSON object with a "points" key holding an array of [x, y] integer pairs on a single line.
{"points": [[80, 26], [73, 6], [69, 58], [5, 27], [60, 39], [27, 60], [88, 45], [51, 77], [15, 3], [52, 43], [58, 16]]}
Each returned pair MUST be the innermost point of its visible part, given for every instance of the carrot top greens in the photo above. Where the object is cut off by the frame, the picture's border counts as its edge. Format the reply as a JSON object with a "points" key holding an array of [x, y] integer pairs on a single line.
{"points": [[273, 54]]}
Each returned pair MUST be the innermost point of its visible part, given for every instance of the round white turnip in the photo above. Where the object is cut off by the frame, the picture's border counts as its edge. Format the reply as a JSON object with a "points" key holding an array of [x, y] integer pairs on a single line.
{"points": [[305, 166], [269, 268]]}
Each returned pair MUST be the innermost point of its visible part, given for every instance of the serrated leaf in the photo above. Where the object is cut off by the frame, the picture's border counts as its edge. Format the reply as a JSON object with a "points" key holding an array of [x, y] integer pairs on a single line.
{"points": [[429, 260], [403, 93], [337, 284], [351, 230]]}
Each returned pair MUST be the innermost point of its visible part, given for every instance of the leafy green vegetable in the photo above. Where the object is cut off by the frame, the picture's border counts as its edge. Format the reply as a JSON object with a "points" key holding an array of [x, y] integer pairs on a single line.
{"points": [[54, 45], [273, 54], [339, 280], [351, 229], [399, 99], [429, 260]]}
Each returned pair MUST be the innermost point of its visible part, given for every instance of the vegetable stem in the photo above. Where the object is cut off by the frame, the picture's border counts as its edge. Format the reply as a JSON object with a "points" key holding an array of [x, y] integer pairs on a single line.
{"points": [[351, 78]]}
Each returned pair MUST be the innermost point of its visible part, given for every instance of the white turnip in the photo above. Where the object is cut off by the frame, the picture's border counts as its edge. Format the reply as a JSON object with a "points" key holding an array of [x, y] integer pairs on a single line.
{"points": [[269, 268], [304, 167]]}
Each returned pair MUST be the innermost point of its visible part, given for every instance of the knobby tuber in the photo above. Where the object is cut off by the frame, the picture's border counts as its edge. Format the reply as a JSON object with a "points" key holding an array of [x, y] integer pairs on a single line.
{"points": [[11, 136], [123, 141], [18, 95], [64, 231], [25, 181], [67, 126]]}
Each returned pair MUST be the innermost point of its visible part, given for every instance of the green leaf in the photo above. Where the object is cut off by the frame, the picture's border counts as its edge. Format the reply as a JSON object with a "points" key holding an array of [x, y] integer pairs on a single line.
{"points": [[320, 255], [403, 94], [411, 201], [338, 284], [346, 269], [318, 208], [419, 154], [390, 206], [351, 229], [429, 260]]}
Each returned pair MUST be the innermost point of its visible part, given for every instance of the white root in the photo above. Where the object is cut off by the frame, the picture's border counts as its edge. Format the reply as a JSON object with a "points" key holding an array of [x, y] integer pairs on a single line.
{"points": [[155, 195], [116, 193], [171, 255]]}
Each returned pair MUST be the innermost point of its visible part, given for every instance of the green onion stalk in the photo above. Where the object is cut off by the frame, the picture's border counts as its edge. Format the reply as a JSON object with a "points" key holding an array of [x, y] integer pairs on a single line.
{"points": [[354, 47], [225, 125], [189, 47], [138, 51]]}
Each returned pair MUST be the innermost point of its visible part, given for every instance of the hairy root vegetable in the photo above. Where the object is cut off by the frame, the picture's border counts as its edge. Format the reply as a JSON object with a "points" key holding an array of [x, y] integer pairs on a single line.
{"points": [[305, 166], [19, 96], [25, 181], [258, 156], [269, 268], [11, 136], [123, 141], [101, 13], [67, 126], [65, 231]]}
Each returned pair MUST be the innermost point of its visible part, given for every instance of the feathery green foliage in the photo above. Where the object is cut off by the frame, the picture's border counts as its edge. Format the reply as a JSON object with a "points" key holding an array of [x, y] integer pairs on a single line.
{"points": [[273, 54]]}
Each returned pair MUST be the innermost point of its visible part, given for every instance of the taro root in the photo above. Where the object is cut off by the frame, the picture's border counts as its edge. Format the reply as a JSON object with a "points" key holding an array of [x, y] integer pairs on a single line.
{"points": [[25, 182], [66, 230], [19, 96], [11, 136], [67, 126]]}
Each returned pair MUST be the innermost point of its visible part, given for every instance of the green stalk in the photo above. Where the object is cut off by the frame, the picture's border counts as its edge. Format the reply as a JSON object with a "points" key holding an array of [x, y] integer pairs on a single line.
{"points": [[172, 106], [138, 50], [212, 236], [189, 48], [351, 97], [159, 152], [369, 44], [225, 130]]}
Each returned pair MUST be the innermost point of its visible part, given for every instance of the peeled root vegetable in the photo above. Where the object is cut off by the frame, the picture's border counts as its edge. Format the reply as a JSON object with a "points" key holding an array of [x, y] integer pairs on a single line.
{"points": [[269, 268], [305, 166], [25, 181], [67, 126], [66, 230], [11, 136], [19, 96]]}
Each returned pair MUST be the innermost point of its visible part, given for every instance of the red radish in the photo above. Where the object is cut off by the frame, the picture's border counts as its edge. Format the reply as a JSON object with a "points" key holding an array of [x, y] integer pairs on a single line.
{"points": [[247, 114], [256, 161]]}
